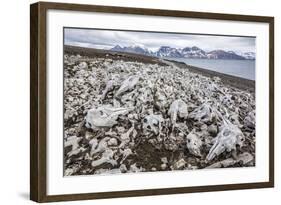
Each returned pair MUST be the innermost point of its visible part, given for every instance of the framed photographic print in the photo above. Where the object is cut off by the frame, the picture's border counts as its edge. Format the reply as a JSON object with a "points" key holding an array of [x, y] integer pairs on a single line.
{"points": [[134, 102]]}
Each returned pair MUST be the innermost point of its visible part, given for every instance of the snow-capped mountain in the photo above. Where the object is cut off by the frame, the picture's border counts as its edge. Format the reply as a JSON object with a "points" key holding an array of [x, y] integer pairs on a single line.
{"points": [[187, 52], [248, 55], [166, 51], [221, 54], [193, 52], [133, 49]]}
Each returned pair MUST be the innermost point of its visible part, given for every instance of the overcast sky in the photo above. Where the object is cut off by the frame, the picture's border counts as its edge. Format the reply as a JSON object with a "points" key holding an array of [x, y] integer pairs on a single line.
{"points": [[106, 39]]}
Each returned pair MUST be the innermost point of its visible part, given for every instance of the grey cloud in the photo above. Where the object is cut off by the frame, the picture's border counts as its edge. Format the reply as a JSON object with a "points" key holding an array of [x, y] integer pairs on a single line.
{"points": [[109, 38]]}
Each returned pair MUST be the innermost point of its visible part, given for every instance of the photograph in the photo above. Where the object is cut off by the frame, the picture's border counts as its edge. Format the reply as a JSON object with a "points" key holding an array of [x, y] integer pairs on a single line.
{"points": [[147, 101]]}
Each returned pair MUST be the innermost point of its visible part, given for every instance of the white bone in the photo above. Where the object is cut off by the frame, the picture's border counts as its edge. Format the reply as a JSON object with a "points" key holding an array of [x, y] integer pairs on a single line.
{"points": [[107, 171], [234, 118], [112, 142], [94, 143], [152, 124], [180, 164], [107, 157], [227, 139], [126, 153], [216, 79], [245, 158], [104, 116], [204, 113], [160, 99], [129, 99], [134, 168], [125, 137], [109, 87], [250, 120], [127, 85], [145, 96], [147, 86], [76, 151], [101, 147], [123, 168], [178, 108], [73, 141], [83, 65], [194, 144]]}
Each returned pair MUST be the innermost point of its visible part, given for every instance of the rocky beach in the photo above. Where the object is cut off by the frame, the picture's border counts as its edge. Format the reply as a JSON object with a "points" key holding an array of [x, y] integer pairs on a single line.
{"points": [[126, 113]]}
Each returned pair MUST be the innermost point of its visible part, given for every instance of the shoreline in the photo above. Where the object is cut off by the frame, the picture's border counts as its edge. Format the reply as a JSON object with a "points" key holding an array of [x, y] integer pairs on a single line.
{"points": [[232, 81], [237, 82]]}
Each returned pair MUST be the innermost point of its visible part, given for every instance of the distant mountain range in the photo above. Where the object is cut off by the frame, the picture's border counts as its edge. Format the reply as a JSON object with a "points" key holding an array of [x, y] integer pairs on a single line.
{"points": [[187, 52]]}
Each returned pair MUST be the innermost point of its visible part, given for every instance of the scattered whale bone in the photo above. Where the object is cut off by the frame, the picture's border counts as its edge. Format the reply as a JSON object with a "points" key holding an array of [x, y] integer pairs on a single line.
{"points": [[160, 99], [164, 164], [234, 118], [213, 130], [164, 160], [134, 168], [125, 137], [98, 147], [128, 85], [107, 171], [126, 153], [123, 168], [227, 100], [111, 133], [73, 141], [194, 143], [227, 139], [178, 108], [216, 79], [152, 124], [182, 128], [94, 143], [145, 96], [104, 116], [180, 164], [204, 113], [83, 89], [243, 158], [249, 121], [71, 171], [173, 141], [107, 157], [112, 142], [83, 65], [129, 99], [109, 86]]}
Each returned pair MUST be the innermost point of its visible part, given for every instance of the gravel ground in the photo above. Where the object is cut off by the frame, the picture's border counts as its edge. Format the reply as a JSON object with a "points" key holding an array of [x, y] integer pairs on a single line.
{"points": [[128, 113]]}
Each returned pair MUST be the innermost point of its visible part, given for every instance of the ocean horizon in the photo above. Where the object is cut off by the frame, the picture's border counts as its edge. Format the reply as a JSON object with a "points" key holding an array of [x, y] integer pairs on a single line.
{"points": [[239, 68]]}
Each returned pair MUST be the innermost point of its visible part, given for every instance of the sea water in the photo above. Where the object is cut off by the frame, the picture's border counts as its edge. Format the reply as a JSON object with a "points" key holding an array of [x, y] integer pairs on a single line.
{"points": [[239, 68]]}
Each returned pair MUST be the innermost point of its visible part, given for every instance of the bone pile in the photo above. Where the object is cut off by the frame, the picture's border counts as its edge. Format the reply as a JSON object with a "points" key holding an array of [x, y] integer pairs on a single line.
{"points": [[123, 117]]}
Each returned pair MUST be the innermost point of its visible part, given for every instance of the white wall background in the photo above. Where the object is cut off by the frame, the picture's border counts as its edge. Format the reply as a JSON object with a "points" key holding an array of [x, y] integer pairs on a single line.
{"points": [[14, 103]]}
